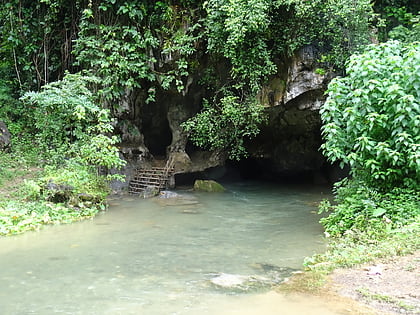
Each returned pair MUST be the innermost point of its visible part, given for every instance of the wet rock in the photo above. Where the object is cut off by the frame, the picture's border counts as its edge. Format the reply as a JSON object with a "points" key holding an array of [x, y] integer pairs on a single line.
{"points": [[208, 185], [58, 193], [5, 137], [149, 192], [241, 283], [168, 194], [276, 273], [290, 142], [266, 276], [182, 161]]}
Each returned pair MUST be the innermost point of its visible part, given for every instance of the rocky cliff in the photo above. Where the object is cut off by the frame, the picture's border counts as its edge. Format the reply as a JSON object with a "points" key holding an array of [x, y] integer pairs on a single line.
{"points": [[289, 143]]}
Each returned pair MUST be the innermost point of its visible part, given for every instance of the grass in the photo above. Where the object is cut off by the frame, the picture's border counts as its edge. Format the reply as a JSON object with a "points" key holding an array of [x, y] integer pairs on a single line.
{"points": [[352, 250], [23, 204], [366, 294], [358, 248]]}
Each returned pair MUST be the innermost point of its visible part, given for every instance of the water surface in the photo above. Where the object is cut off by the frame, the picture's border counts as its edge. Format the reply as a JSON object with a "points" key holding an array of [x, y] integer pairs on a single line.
{"points": [[156, 256]]}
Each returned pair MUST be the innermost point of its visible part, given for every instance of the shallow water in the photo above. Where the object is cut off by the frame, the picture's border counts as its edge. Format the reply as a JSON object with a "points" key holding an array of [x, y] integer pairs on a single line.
{"points": [[156, 256]]}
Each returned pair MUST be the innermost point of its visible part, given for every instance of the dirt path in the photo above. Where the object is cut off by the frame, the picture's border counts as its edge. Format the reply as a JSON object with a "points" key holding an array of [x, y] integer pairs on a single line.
{"points": [[386, 287], [389, 287]]}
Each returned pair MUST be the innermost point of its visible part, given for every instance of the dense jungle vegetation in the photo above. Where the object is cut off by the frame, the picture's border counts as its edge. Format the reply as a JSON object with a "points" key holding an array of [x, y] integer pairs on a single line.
{"points": [[66, 65]]}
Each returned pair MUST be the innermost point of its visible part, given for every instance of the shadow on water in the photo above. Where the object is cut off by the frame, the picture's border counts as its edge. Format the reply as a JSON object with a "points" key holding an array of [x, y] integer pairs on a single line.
{"points": [[160, 255]]}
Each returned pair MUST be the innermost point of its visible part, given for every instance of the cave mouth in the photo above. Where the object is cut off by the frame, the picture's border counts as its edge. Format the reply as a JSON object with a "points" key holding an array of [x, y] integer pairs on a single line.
{"points": [[254, 169], [157, 142], [156, 131], [264, 170]]}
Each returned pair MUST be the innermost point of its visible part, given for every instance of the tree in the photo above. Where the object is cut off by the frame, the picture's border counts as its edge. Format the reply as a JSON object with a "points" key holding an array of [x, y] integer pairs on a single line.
{"points": [[371, 119], [68, 121], [146, 47]]}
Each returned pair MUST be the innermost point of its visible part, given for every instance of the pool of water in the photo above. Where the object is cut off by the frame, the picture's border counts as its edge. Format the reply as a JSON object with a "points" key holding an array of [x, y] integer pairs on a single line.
{"points": [[156, 256]]}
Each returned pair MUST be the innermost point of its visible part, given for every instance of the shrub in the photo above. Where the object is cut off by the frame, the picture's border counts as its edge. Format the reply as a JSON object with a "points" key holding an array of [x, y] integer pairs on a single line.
{"points": [[371, 119], [69, 123], [360, 208], [226, 125]]}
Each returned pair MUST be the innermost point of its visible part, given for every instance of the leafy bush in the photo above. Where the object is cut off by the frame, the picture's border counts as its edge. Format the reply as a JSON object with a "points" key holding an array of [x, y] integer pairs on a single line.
{"points": [[360, 208], [19, 216], [226, 125], [79, 177], [69, 123], [63, 194], [409, 33], [371, 119]]}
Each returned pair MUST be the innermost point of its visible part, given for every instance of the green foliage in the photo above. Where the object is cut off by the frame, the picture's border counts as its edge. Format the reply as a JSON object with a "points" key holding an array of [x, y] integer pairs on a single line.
{"points": [[360, 208], [137, 45], [338, 28], [225, 125], [69, 123], [63, 110], [238, 31], [36, 39], [409, 33], [80, 179], [395, 14], [30, 198], [249, 34], [372, 116], [356, 248], [10, 110], [20, 216]]}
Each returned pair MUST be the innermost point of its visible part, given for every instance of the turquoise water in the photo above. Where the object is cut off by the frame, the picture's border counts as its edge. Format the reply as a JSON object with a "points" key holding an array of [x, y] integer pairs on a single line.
{"points": [[156, 256]]}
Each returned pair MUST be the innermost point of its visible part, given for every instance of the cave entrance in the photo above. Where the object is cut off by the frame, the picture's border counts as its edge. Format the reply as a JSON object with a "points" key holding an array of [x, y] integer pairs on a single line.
{"points": [[155, 129]]}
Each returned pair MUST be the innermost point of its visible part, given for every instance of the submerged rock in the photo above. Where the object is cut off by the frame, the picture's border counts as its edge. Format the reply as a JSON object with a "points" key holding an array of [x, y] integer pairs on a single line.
{"points": [[149, 192], [168, 194], [267, 275], [170, 198], [275, 273], [208, 185], [240, 283]]}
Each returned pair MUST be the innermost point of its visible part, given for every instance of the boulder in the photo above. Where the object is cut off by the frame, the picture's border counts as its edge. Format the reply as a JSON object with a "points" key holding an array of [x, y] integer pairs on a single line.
{"points": [[58, 193], [149, 191], [208, 185], [5, 137]]}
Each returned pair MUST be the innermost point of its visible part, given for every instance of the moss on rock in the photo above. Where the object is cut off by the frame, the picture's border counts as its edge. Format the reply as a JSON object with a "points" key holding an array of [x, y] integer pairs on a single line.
{"points": [[208, 185]]}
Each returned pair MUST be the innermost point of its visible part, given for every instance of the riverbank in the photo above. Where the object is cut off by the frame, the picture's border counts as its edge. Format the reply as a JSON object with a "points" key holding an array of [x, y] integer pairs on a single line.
{"points": [[386, 285], [389, 286], [32, 196]]}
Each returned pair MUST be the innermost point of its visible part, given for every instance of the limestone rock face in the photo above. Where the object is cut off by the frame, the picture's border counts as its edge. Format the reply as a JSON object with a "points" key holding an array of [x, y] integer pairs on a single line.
{"points": [[290, 142], [302, 77], [5, 136]]}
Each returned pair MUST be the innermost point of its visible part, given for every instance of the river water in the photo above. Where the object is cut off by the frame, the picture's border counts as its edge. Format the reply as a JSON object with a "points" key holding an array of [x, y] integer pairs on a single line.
{"points": [[156, 256]]}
